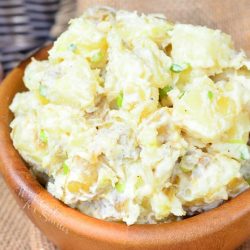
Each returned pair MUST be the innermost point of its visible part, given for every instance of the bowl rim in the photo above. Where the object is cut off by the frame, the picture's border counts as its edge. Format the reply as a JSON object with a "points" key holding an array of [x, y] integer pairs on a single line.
{"points": [[27, 190]]}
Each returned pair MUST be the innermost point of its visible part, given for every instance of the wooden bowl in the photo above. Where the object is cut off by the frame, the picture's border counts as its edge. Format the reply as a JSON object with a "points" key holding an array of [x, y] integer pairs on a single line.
{"points": [[225, 227]]}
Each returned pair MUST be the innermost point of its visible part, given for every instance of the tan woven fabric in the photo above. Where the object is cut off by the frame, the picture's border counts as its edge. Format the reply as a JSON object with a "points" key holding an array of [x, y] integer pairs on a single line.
{"points": [[16, 230]]}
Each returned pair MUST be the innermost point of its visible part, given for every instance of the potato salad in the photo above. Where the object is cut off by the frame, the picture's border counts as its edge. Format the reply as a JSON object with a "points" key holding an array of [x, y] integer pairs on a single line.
{"points": [[133, 118]]}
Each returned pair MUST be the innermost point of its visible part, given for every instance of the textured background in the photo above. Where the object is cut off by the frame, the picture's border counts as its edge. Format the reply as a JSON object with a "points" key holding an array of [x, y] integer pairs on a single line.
{"points": [[16, 230], [231, 16]]}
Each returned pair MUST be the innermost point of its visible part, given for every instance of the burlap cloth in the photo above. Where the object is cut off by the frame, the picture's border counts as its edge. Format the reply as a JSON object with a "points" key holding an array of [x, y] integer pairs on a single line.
{"points": [[231, 16]]}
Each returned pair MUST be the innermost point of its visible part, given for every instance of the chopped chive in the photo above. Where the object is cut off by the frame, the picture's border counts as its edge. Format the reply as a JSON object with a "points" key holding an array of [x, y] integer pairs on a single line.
{"points": [[164, 91], [242, 157], [42, 90], [139, 182], [177, 68], [72, 47], [236, 141], [248, 181], [120, 186], [181, 94], [43, 136], [210, 95], [97, 57], [119, 100], [65, 168], [184, 169]]}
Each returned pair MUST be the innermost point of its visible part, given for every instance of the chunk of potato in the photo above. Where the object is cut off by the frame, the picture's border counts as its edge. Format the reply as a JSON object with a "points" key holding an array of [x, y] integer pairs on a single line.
{"points": [[201, 47], [204, 111]]}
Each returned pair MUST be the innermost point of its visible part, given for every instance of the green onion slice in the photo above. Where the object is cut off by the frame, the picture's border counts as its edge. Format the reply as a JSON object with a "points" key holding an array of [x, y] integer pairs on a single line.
{"points": [[120, 186], [210, 95], [72, 47], [42, 90], [248, 181], [242, 157], [119, 100], [164, 91], [177, 68], [65, 168], [97, 57], [236, 141], [181, 94], [43, 136]]}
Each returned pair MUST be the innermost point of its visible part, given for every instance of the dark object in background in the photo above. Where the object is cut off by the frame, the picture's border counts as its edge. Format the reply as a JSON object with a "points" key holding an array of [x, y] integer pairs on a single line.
{"points": [[26, 25]]}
